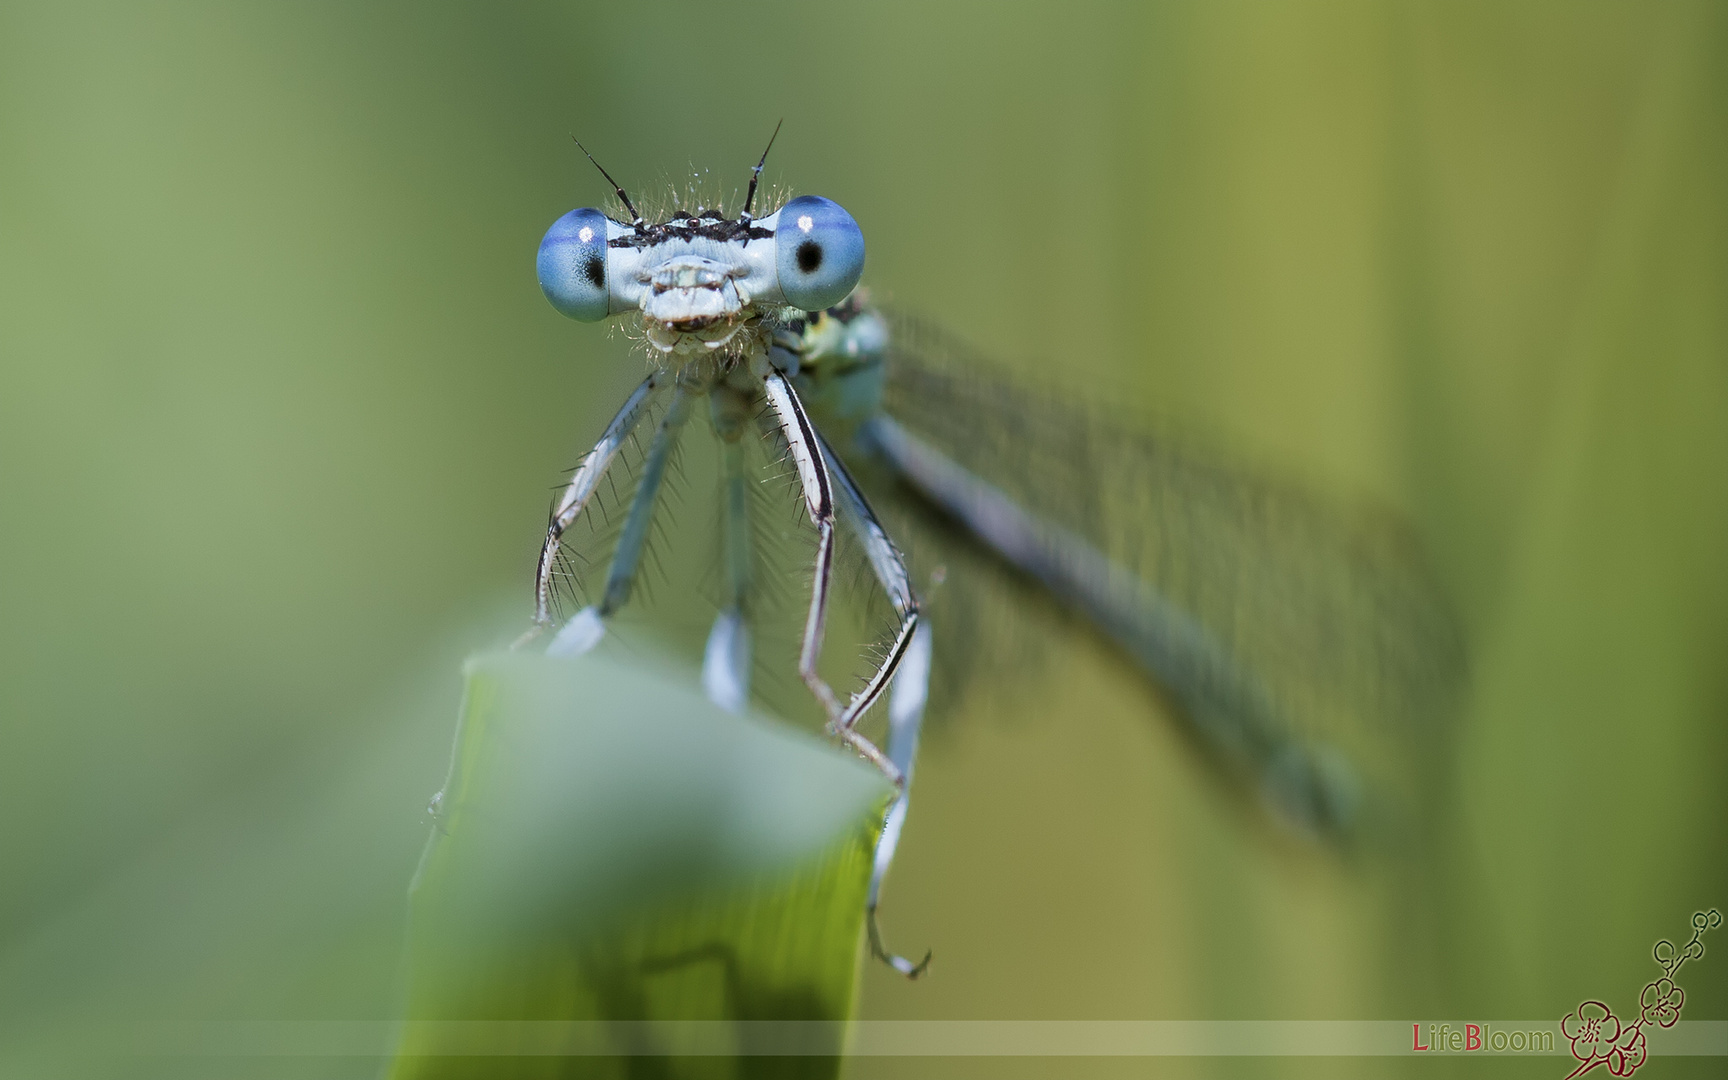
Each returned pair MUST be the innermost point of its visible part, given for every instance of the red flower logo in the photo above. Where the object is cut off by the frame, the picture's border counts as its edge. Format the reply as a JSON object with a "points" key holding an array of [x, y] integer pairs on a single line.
{"points": [[1592, 1030], [1600, 1039], [1661, 1002]]}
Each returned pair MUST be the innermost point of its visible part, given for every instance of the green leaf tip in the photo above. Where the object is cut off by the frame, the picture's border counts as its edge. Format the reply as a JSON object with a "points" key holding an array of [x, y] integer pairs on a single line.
{"points": [[621, 872]]}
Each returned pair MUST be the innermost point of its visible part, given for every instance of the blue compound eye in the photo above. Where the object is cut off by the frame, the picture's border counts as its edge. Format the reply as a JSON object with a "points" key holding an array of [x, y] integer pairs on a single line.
{"points": [[818, 251], [572, 265]]}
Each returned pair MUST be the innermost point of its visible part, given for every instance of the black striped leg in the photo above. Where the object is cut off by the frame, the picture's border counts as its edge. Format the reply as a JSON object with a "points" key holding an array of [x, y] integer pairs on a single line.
{"points": [[588, 626], [726, 660], [908, 666], [578, 493], [890, 570], [905, 718], [813, 479]]}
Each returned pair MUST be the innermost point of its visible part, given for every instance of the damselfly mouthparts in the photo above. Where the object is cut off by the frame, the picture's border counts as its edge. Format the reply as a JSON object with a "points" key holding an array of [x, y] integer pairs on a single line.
{"points": [[1260, 614]]}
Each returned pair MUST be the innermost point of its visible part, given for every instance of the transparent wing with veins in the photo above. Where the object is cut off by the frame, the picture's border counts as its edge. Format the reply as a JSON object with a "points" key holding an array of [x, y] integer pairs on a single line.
{"points": [[1302, 641]]}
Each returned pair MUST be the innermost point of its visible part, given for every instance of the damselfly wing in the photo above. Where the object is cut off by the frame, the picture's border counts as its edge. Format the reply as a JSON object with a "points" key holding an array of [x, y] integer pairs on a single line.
{"points": [[1302, 639]]}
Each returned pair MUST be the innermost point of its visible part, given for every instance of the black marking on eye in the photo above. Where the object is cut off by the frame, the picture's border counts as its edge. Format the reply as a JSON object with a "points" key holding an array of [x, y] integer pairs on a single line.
{"points": [[595, 271], [809, 256]]}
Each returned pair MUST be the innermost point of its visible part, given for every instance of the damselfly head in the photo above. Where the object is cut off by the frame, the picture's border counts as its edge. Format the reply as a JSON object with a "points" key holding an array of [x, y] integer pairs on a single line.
{"points": [[697, 279]]}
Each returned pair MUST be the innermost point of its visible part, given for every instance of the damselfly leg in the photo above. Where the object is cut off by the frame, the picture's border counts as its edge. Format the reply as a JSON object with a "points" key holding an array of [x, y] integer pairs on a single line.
{"points": [[908, 666], [890, 570], [906, 702], [579, 492], [818, 490], [584, 631], [726, 659]]}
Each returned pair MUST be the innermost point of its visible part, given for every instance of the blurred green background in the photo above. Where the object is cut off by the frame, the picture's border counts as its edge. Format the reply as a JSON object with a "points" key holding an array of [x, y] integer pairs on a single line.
{"points": [[280, 404]]}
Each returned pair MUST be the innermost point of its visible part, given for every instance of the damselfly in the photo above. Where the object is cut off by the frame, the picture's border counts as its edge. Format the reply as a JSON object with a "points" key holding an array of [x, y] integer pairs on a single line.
{"points": [[1272, 622]]}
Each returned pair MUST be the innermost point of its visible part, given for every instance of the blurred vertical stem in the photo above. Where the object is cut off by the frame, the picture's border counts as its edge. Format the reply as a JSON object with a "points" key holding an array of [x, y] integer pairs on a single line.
{"points": [[626, 881]]}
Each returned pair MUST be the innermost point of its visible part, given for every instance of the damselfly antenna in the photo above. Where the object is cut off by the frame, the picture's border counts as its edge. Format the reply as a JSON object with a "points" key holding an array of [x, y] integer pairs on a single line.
{"points": [[636, 218], [756, 173]]}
